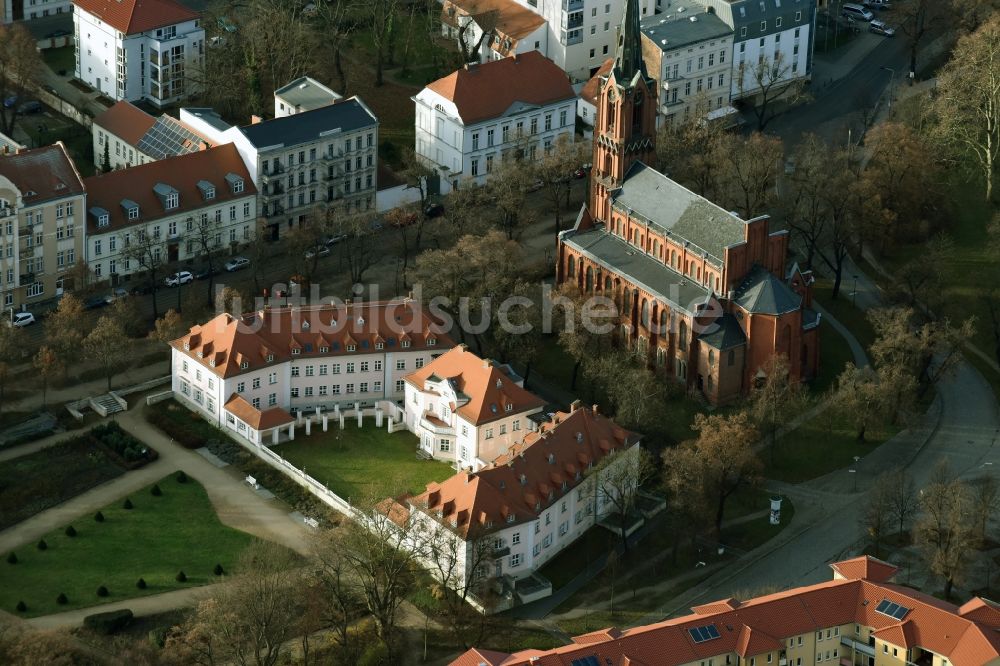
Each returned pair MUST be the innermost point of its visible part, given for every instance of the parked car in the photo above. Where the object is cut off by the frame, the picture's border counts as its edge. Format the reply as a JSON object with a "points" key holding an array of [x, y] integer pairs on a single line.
{"points": [[21, 319], [94, 302], [116, 294], [57, 33], [206, 273], [333, 239], [433, 210], [237, 263], [177, 279], [376, 225], [855, 11], [49, 89], [29, 108], [319, 250], [877, 4], [536, 185], [10, 101], [880, 28]]}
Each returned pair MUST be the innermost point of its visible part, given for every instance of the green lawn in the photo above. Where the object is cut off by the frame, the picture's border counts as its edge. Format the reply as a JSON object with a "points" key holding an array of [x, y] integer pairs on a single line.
{"points": [[576, 557], [363, 464], [843, 310], [835, 353], [159, 537]]}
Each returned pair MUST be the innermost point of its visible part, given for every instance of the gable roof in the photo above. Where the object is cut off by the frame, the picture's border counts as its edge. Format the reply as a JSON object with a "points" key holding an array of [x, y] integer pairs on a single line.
{"points": [[223, 344], [346, 115], [126, 121], [135, 16], [183, 173], [531, 476], [255, 418], [762, 292], [865, 567], [679, 212], [42, 174], [592, 88], [485, 91], [513, 22]]}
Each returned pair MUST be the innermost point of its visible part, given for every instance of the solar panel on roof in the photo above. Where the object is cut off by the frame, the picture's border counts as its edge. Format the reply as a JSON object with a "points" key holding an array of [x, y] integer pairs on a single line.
{"points": [[586, 661], [702, 634], [167, 138], [893, 610]]}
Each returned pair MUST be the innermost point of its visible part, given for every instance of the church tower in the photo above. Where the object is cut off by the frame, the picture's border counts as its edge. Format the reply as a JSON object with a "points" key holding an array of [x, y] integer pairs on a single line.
{"points": [[625, 128]]}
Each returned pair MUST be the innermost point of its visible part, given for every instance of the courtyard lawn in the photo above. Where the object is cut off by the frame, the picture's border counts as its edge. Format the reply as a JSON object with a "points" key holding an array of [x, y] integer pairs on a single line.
{"points": [[363, 463], [843, 310], [835, 353], [156, 539]]}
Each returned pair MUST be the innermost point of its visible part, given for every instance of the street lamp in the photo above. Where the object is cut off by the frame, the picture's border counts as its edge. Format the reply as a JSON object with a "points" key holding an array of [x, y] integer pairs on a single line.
{"points": [[892, 76], [854, 472], [854, 298]]}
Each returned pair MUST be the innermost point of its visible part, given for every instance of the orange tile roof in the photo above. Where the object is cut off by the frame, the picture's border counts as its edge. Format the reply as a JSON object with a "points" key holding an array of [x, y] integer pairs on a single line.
{"points": [[135, 16], [182, 173], [224, 344], [42, 174], [592, 87], [532, 476], [930, 624], [865, 567], [126, 121], [485, 91], [253, 417], [492, 393], [512, 20]]}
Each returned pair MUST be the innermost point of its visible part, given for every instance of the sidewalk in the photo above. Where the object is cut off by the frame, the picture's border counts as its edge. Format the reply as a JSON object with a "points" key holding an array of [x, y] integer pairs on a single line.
{"points": [[831, 67]]}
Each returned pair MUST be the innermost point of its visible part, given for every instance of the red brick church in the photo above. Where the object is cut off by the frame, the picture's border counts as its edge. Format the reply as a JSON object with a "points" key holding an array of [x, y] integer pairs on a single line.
{"points": [[705, 296]]}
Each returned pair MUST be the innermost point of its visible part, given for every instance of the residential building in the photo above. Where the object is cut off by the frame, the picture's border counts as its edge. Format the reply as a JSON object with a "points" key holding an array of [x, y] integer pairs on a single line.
{"points": [[706, 297], [471, 119], [9, 146], [303, 94], [128, 136], [688, 51], [772, 41], [326, 157], [512, 28], [467, 410], [21, 10], [247, 374], [586, 104], [42, 202], [860, 618], [168, 211], [134, 50], [531, 502]]}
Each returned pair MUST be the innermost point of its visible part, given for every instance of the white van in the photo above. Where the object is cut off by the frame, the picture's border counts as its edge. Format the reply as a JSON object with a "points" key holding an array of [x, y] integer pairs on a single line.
{"points": [[853, 11]]}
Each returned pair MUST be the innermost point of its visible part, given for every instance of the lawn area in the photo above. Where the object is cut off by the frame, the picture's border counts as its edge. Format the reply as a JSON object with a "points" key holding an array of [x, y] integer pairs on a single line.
{"points": [[843, 310], [156, 539], [835, 353], [577, 556], [40, 480], [366, 463], [180, 423]]}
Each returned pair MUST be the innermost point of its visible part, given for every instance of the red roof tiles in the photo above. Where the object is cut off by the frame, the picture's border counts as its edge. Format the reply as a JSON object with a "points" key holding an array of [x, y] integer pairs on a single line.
{"points": [[865, 567], [126, 121], [485, 91], [253, 417], [135, 16], [42, 174]]}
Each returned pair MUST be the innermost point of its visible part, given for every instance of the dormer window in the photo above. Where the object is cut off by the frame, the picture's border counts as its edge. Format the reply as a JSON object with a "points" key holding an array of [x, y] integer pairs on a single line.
{"points": [[431, 342], [270, 357], [510, 518], [235, 182], [211, 363], [405, 344], [207, 190], [172, 200], [201, 354], [509, 407], [131, 209], [324, 350], [524, 480], [103, 221], [244, 365], [187, 346], [305, 326], [552, 459], [379, 345], [296, 351], [351, 347], [133, 213]]}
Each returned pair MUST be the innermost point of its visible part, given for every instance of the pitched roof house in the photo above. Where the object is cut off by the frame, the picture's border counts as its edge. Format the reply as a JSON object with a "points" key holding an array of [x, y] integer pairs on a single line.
{"points": [[130, 136]]}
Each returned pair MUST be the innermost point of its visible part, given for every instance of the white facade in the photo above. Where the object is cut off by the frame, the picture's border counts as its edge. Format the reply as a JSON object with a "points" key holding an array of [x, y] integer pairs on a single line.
{"points": [[693, 80], [785, 53], [158, 65], [473, 151], [21, 10]]}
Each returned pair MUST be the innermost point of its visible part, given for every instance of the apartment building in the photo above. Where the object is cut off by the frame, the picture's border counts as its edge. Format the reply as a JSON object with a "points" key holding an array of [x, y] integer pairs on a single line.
{"points": [[26, 10], [513, 28], [324, 158], [134, 50], [772, 41], [127, 136], [471, 119], [467, 410], [42, 234], [860, 618], [535, 499], [248, 373], [168, 210], [688, 52]]}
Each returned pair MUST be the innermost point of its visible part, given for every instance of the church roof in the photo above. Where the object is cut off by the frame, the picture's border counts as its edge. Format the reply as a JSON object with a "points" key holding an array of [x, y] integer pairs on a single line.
{"points": [[761, 292], [679, 212], [628, 55], [725, 333]]}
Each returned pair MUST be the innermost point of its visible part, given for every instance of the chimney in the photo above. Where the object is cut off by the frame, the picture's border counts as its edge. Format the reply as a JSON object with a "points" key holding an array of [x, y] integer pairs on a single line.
{"points": [[486, 363], [255, 120], [573, 406], [596, 409], [202, 146]]}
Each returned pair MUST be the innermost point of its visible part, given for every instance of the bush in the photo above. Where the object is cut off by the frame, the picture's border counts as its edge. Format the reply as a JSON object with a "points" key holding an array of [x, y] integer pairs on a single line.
{"points": [[181, 577], [184, 427], [61, 599], [21, 606], [11, 557], [155, 491], [108, 623], [141, 583], [102, 591], [42, 545], [127, 505], [70, 531], [218, 570], [157, 637], [182, 477], [375, 654], [99, 517]]}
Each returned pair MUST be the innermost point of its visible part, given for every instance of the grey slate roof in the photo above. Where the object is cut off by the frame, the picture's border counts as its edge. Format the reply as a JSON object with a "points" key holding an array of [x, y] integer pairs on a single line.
{"points": [[307, 93], [763, 293], [210, 116], [619, 257], [749, 13], [346, 116], [725, 334], [810, 318], [678, 212], [685, 22]]}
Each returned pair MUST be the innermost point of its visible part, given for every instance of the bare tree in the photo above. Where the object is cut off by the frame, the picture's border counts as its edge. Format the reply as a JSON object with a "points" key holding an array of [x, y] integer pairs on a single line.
{"points": [[619, 478], [555, 172], [381, 19], [336, 23], [207, 238], [769, 81], [582, 342], [902, 497], [63, 333], [12, 343], [750, 170], [876, 515], [776, 399], [107, 345], [859, 397], [985, 498], [49, 366], [468, 24], [147, 249], [19, 68], [507, 189], [360, 244], [339, 602], [168, 327], [918, 20], [946, 528]]}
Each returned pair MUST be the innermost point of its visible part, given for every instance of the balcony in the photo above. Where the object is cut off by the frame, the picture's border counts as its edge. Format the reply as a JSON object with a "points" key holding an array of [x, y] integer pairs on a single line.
{"points": [[433, 424], [572, 5], [574, 20], [501, 552]]}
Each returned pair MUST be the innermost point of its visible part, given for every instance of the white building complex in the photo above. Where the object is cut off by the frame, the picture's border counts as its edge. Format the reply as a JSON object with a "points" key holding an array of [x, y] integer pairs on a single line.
{"points": [[139, 49], [469, 120], [249, 373], [326, 156], [128, 136], [203, 200], [21, 10], [467, 410]]}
